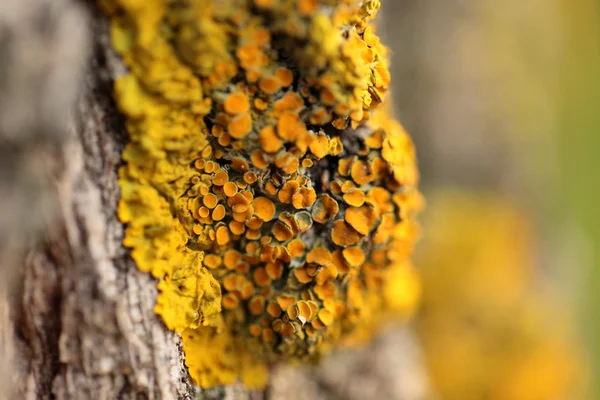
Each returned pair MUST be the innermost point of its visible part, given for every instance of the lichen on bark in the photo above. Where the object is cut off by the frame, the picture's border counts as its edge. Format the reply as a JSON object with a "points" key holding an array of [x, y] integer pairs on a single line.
{"points": [[261, 187]]}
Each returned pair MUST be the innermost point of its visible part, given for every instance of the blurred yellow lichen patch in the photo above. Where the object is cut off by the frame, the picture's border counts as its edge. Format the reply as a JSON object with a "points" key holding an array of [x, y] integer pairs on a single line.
{"points": [[214, 357], [488, 331], [275, 206]]}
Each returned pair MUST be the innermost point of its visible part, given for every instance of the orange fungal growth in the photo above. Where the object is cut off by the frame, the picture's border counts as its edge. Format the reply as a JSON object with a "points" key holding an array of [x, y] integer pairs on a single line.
{"points": [[230, 189], [220, 178], [319, 255], [302, 275], [236, 103], [304, 198], [361, 218], [263, 186], [285, 301], [268, 140], [264, 208], [222, 235], [273, 309], [354, 197], [324, 209], [285, 76], [240, 126], [210, 200], [289, 126], [326, 317], [343, 234], [289, 102], [354, 256], [218, 213], [270, 85]]}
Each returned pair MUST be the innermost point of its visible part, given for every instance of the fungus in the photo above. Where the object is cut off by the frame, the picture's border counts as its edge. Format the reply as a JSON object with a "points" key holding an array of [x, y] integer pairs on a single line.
{"points": [[354, 256], [319, 255], [274, 310], [304, 198], [274, 270], [354, 197], [343, 234], [302, 275], [236, 103], [240, 126], [324, 209], [362, 219], [285, 76], [262, 185]]}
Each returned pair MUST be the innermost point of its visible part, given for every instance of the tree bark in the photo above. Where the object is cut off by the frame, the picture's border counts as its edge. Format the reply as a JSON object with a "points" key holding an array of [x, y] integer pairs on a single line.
{"points": [[85, 322]]}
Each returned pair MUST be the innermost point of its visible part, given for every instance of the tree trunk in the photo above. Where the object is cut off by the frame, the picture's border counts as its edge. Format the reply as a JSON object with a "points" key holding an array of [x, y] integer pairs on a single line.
{"points": [[76, 315], [85, 319]]}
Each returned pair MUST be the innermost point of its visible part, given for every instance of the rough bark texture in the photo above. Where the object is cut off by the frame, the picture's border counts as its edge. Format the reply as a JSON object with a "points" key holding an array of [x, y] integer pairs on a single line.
{"points": [[95, 315], [389, 368], [82, 323], [42, 46], [86, 324], [87, 313]]}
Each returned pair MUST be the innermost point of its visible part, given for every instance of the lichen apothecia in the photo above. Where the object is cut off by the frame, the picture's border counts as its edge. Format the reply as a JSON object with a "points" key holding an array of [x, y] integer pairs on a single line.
{"points": [[274, 206]]}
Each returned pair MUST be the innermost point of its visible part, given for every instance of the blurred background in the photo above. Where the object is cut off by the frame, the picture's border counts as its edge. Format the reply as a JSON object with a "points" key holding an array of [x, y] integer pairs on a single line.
{"points": [[502, 101]]}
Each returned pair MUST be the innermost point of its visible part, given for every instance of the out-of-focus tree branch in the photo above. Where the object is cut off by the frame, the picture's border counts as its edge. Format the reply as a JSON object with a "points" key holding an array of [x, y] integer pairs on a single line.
{"points": [[42, 55]]}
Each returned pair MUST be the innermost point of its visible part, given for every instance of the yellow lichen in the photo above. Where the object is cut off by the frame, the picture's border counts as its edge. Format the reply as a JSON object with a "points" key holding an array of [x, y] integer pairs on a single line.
{"points": [[274, 205], [503, 334]]}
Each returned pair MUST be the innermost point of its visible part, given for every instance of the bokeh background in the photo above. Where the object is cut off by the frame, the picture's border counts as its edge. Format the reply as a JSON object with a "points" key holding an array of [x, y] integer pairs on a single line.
{"points": [[502, 101]]}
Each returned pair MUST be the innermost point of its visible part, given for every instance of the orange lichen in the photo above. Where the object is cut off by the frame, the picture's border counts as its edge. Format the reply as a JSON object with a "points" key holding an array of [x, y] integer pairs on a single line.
{"points": [[326, 317], [260, 186], [289, 102], [230, 189], [236, 103], [354, 197], [268, 140], [302, 275], [362, 219], [222, 235], [210, 200], [354, 256], [263, 208], [273, 309], [289, 127], [285, 76], [274, 270], [324, 209], [269, 85], [319, 255], [287, 163], [250, 177], [261, 277], [240, 126], [344, 165], [343, 234], [304, 198], [287, 191], [220, 178]]}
